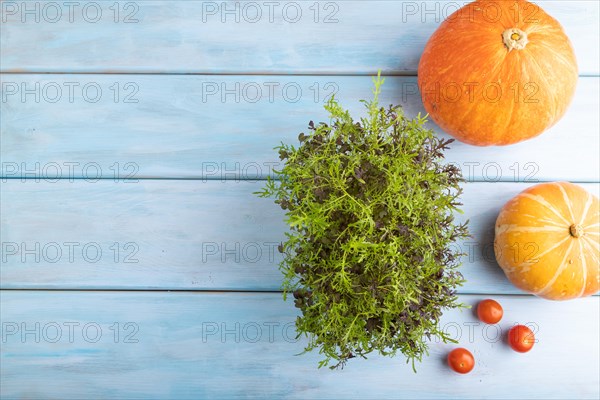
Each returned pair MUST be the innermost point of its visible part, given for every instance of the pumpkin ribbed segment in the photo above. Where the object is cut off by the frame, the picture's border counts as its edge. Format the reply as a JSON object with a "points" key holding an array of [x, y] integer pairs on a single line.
{"points": [[548, 241]]}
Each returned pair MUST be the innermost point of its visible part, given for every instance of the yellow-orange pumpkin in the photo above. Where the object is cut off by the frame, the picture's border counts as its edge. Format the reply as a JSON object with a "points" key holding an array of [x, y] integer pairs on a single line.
{"points": [[548, 241], [497, 72]]}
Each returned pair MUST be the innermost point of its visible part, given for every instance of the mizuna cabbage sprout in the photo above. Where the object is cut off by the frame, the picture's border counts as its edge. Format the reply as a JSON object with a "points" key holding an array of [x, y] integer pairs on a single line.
{"points": [[370, 256]]}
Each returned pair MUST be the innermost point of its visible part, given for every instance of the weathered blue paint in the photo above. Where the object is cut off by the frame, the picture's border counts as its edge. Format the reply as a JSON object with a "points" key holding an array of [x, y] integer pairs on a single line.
{"points": [[174, 234], [189, 347], [192, 127], [198, 228], [189, 36]]}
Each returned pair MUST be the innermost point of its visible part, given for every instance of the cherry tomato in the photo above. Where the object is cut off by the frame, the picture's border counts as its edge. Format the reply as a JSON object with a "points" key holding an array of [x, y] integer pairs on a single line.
{"points": [[489, 311], [461, 360], [521, 338]]}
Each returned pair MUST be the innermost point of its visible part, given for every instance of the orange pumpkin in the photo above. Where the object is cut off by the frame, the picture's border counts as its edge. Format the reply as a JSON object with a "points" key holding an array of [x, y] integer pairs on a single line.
{"points": [[497, 72], [548, 241]]}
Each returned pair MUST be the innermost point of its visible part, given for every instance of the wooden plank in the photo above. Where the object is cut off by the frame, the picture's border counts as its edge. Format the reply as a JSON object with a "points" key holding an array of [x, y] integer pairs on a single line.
{"points": [[334, 37], [220, 127], [241, 345], [166, 234]]}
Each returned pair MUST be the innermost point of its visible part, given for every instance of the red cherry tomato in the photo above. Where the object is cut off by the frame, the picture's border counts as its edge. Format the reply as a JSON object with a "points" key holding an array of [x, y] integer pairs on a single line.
{"points": [[461, 360], [489, 311], [521, 338]]}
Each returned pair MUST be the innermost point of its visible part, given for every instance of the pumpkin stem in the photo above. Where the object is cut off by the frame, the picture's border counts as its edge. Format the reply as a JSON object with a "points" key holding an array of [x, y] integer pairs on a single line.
{"points": [[514, 38], [576, 230]]}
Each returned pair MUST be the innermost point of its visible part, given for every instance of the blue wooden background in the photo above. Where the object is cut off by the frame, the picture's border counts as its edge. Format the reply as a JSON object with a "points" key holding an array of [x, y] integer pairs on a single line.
{"points": [[136, 263]]}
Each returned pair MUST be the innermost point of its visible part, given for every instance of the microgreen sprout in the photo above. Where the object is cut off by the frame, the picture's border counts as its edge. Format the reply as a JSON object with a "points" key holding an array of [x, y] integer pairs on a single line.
{"points": [[369, 258]]}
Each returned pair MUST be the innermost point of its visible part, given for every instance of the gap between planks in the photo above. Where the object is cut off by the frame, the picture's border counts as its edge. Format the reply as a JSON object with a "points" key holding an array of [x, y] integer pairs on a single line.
{"points": [[215, 179], [222, 291], [236, 73]]}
